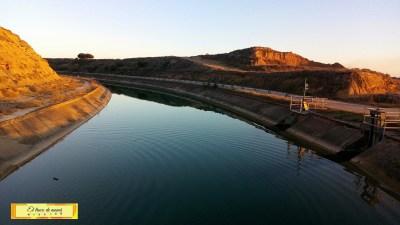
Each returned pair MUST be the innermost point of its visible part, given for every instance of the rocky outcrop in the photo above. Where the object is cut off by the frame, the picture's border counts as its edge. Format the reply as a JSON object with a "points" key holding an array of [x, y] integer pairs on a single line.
{"points": [[260, 58], [364, 82], [20, 65]]}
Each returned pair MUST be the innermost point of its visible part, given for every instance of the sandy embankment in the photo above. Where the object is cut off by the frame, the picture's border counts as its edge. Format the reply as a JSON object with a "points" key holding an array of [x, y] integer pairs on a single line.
{"points": [[24, 137]]}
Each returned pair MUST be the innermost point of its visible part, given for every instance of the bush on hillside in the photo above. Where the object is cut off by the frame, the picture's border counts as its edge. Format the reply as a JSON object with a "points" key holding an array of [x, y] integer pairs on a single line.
{"points": [[85, 56]]}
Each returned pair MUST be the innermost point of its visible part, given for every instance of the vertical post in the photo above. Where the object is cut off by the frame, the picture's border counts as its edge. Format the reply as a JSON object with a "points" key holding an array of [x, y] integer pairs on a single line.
{"points": [[377, 126], [382, 124], [301, 104], [304, 94], [371, 135]]}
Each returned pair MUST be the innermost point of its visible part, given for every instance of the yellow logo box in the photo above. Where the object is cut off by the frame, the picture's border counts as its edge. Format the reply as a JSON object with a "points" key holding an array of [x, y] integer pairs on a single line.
{"points": [[44, 211]]}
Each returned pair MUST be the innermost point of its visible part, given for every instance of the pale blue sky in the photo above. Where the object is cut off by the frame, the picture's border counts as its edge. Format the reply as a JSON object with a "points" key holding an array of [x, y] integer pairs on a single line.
{"points": [[356, 33]]}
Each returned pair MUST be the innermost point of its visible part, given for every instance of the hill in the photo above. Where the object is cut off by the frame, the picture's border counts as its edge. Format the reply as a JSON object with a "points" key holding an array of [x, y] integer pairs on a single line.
{"points": [[267, 59], [19, 64], [27, 82], [255, 67]]}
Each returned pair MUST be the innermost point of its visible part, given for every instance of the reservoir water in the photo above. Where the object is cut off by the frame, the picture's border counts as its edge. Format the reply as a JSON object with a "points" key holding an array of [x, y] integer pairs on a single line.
{"points": [[154, 159]]}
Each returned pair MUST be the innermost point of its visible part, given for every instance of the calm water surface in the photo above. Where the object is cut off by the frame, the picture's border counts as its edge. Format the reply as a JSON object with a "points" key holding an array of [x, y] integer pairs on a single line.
{"points": [[153, 159]]}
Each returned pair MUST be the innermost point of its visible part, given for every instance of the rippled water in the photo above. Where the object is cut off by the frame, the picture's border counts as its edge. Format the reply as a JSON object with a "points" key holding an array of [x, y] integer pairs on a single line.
{"points": [[161, 162]]}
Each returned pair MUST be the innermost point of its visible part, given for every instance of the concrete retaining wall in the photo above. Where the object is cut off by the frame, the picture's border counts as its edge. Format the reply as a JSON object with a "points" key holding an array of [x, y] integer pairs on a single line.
{"points": [[327, 134], [25, 137]]}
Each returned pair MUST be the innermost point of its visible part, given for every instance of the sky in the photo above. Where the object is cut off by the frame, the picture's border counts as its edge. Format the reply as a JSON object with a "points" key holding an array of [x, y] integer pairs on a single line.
{"points": [[355, 33]]}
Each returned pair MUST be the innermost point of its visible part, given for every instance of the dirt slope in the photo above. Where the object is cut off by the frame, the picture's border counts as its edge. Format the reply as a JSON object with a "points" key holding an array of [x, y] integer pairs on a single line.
{"points": [[27, 82], [20, 65]]}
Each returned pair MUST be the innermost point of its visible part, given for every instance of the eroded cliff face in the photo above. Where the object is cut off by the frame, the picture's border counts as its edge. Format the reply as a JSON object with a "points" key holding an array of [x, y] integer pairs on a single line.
{"points": [[20, 65], [364, 82], [259, 56], [267, 56], [262, 58]]}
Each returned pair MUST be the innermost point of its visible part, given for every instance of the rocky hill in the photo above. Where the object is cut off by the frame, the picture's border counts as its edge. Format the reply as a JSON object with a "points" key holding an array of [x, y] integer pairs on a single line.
{"points": [[19, 63], [27, 82], [255, 67], [267, 59]]}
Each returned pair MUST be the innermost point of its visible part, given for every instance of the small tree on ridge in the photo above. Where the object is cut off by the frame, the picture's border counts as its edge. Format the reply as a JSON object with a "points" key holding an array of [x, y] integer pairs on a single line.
{"points": [[85, 56]]}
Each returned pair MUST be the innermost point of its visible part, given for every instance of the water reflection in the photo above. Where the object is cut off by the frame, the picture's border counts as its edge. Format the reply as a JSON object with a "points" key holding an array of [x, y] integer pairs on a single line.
{"points": [[140, 162], [164, 99], [301, 152], [368, 188]]}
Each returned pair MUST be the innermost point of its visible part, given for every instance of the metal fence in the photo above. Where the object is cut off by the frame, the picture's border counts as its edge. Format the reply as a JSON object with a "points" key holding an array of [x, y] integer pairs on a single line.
{"points": [[302, 104], [383, 119]]}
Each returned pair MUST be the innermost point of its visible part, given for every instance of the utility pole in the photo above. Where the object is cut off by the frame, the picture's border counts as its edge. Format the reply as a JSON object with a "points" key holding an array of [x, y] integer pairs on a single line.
{"points": [[304, 94]]}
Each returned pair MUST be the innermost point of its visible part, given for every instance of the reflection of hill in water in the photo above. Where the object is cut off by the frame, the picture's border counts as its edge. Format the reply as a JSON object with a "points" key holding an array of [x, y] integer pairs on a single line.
{"points": [[171, 100], [164, 99], [366, 187]]}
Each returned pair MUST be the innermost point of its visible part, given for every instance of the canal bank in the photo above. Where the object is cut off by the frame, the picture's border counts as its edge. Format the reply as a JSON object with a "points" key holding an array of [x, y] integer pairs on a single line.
{"points": [[154, 159], [25, 137], [333, 138]]}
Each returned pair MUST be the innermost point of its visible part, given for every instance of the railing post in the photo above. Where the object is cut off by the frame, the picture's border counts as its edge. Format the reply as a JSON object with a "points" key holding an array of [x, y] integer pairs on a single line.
{"points": [[371, 138], [291, 100], [301, 105]]}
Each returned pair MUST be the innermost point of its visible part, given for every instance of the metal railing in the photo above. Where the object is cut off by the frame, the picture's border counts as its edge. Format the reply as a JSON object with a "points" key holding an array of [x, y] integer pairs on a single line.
{"points": [[296, 104], [300, 105], [315, 102], [377, 122], [392, 121], [386, 120]]}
